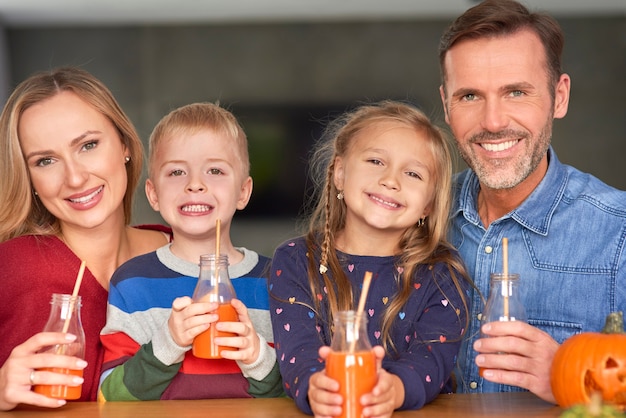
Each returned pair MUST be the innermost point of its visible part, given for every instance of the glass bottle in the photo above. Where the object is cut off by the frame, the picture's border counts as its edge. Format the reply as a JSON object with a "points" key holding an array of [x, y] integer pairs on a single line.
{"points": [[64, 317], [504, 302], [214, 286], [351, 362]]}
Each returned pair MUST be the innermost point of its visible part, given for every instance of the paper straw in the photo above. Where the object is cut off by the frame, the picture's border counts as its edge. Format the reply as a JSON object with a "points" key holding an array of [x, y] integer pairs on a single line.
{"points": [[505, 270], [66, 324], [79, 279], [216, 289], [361, 307]]}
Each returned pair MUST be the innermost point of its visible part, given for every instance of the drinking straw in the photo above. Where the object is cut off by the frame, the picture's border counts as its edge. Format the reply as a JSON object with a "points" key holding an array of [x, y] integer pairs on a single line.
{"points": [[66, 324], [216, 289], [361, 307], [505, 268], [79, 279]]}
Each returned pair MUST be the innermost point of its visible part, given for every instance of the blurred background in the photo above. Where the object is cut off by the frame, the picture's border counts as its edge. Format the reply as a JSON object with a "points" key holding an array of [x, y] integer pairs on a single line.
{"points": [[286, 67]]}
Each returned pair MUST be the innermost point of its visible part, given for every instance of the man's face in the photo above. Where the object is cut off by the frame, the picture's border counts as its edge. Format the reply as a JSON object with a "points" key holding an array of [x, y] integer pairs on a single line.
{"points": [[499, 104]]}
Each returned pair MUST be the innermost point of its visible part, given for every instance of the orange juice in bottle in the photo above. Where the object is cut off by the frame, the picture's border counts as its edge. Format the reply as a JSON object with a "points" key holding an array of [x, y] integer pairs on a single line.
{"points": [[351, 362], [214, 286], [64, 316]]}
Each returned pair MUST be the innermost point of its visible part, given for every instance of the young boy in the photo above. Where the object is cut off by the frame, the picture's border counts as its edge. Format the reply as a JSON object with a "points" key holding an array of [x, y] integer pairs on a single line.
{"points": [[198, 173]]}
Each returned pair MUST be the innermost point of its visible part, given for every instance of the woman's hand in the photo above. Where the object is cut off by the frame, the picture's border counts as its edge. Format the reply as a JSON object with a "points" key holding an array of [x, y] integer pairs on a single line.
{"points": [[19, 372]]}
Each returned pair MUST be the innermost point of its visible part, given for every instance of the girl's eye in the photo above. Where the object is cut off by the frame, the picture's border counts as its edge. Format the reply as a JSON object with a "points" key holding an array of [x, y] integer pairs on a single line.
{"points": [[177, 172], [215, 171], [415, 175], [42, 162], [90, 145], [375, 161]]}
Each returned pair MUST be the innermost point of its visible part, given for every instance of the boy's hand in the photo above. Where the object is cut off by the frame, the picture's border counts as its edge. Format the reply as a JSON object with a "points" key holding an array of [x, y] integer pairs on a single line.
{"points": [[247, 341], [189, 319]]}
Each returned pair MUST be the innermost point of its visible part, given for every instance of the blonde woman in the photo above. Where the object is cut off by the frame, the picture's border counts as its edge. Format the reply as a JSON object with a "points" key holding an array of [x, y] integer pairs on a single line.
{"points": [[70, 160]]}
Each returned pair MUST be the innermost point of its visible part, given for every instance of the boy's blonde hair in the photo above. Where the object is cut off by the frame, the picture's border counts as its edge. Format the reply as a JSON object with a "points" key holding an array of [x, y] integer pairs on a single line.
{"points": [[192, 118]]}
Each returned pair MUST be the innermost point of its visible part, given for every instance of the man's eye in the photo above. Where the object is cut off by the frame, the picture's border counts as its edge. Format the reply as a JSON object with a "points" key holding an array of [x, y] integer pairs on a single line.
{"points": [[517, 93], [469, 97]]}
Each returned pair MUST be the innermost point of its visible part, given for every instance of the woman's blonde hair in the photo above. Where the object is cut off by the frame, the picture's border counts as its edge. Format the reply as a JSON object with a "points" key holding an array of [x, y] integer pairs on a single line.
{"points": [[21, 212], [420, 244]]}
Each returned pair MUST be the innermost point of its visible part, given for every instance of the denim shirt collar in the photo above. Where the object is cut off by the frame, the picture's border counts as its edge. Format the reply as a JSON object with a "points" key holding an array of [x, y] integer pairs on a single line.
{"points": [[533, 213]]}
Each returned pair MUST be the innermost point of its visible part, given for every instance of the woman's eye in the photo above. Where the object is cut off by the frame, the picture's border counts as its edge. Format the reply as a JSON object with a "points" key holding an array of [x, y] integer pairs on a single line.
{"points": [[42, 162], [90, 145]]}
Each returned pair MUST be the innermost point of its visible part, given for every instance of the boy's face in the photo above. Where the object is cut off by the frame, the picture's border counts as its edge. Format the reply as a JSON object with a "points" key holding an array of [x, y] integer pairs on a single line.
{"points": [[196, 179]]}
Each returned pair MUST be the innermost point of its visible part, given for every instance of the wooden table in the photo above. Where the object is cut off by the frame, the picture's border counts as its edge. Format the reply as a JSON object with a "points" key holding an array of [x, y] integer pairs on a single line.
{"points": [[515, 405]]}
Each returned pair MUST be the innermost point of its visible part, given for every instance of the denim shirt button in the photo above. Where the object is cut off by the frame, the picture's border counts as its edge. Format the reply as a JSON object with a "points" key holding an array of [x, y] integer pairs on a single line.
{"points": [[479, 316], [473, 385], [488, 249]]}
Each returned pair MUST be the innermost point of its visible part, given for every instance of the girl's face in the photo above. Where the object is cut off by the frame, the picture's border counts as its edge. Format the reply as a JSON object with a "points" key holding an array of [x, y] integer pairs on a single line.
{"points": [[76, 161], [196, 179], [387, 179]]}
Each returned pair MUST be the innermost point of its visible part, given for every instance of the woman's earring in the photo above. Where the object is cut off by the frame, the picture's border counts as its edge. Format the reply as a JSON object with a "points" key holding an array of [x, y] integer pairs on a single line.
{"points": [[340, 195], [126, 159], [421, 222]]}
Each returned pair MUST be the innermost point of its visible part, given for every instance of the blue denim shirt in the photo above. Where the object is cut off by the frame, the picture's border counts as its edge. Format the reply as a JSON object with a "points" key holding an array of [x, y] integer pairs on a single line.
{"points": [[567, 241]]}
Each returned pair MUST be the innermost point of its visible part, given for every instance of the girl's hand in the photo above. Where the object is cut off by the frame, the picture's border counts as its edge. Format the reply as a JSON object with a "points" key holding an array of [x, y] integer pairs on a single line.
{"points": [[387, 395], [323, 393], [189, 319], [247, 341], [19, 371]]}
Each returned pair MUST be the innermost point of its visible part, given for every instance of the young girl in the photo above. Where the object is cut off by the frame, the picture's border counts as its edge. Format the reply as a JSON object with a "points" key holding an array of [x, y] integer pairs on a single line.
{"points": [[382, 207]]}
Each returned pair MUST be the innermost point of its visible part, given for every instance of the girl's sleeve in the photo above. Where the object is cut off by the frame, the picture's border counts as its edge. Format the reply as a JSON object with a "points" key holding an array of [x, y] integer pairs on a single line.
{"points": [[297, 334], [133, 370], [435, 336]]}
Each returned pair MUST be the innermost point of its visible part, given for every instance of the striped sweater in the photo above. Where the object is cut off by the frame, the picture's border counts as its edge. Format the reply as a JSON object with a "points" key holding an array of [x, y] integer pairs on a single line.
{"points": [[142, 361]]}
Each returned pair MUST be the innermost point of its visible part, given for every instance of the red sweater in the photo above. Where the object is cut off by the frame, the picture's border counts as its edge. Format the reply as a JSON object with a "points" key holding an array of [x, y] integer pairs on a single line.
{"points": [[32, 268]]}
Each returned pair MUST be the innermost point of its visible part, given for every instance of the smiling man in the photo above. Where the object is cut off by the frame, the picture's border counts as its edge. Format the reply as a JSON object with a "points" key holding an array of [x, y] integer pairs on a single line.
{"points": [[502, 86]]}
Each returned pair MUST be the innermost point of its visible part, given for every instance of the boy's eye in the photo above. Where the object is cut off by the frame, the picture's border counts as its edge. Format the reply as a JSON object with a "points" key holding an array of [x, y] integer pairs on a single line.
{"points": [[177, 172], [215, 171]]}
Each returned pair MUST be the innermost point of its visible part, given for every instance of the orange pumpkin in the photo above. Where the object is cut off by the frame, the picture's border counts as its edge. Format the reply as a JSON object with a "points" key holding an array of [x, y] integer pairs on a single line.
{"points": [[592, 362]]}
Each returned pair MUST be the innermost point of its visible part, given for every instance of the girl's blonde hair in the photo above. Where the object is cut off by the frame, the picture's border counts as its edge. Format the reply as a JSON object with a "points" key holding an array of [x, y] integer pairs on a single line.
{"points": [[192, 118], [21, 212], [420, 244]]}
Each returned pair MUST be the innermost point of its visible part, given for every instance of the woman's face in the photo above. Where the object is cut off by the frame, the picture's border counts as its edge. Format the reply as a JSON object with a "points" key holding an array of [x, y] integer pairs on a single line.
{"points": [[76, 161]]}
